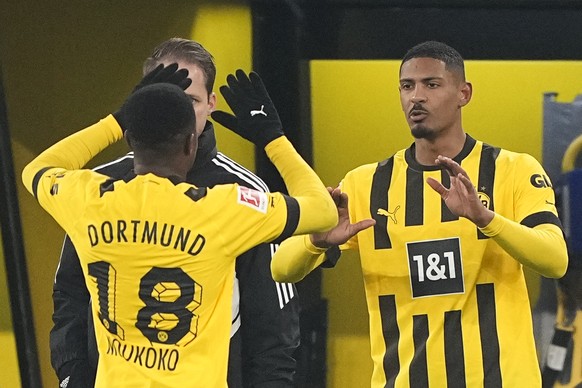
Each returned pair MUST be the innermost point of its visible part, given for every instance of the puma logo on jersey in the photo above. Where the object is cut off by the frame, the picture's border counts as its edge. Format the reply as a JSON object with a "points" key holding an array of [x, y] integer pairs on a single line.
{"points": [[390, 215], [65, 382], [259, 112]]}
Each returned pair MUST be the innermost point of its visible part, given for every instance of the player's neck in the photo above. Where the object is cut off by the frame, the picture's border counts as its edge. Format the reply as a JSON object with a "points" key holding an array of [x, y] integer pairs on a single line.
{"points": [[164, 171], [428, 150]]}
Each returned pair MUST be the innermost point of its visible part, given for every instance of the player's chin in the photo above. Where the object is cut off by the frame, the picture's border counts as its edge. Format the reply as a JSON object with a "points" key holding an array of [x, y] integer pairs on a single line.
{"points": [[421, 131]]}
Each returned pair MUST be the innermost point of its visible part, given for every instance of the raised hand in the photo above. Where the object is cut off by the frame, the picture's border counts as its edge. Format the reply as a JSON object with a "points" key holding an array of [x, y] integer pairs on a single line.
{"points": [[166, 74], [255, 117], [344, 229], [161, 74], [461, 198]]}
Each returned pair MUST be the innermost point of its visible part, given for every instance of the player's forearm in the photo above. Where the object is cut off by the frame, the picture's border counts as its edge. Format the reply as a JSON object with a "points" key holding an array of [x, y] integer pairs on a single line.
{"points": [[295, 258], [542, 248], [74, 151], [318, 211]]}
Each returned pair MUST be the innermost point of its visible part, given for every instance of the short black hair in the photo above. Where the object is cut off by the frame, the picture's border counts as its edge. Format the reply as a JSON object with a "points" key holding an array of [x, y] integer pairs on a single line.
{"points": [[437, 50], [157, 114]]}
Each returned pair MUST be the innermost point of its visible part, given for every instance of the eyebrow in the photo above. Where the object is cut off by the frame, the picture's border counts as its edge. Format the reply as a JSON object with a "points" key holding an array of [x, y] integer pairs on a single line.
{"points": [[425, 79]]}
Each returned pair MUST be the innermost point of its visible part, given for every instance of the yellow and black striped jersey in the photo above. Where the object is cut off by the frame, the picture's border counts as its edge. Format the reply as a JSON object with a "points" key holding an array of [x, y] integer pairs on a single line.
{"points": [[448, 306]]}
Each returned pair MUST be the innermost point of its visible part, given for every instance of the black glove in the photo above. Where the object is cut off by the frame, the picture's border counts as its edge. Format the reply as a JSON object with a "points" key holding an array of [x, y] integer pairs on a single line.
{"points": [[160, 74], [255, 117], [75, 374]]}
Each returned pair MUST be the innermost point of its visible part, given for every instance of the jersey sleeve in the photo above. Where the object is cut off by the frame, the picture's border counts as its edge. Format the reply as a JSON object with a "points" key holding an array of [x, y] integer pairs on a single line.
{"points": [[248, 217], [255, 217], [534, 196], [54, 177], [295, 259], [297, 256], [535, 237], [316, 209], [73, 152]]}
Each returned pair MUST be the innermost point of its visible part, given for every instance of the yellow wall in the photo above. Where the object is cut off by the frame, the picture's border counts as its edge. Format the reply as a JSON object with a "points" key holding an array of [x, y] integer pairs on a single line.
{"points": [[357, 119], [65, 65], [8, 358], [225, 31]]}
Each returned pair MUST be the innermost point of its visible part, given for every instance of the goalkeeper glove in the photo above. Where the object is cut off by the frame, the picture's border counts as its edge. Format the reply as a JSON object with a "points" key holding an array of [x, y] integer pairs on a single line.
{"points": [[161, 74], [255, 117]]}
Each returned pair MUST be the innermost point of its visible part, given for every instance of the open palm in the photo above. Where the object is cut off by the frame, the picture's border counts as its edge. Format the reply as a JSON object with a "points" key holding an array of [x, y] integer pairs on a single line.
{"points": [[344, 230]]}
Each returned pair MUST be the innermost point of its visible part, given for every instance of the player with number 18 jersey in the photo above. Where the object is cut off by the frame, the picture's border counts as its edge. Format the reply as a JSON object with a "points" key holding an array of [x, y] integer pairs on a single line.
{"points": [[158, 255]]}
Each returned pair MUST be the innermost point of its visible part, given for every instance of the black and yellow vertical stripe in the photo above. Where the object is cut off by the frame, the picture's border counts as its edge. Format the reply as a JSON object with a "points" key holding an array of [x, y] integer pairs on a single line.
{"points": [[453, 347]]}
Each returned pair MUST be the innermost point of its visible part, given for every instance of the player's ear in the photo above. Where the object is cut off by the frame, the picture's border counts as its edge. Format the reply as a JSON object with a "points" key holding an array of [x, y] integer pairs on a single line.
{"points": [[211, 102], [190, 144], [465, 93]]}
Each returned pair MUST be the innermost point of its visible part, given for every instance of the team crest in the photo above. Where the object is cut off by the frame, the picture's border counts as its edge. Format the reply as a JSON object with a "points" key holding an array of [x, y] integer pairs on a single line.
{"points": [[484, 198], [252, 198]]}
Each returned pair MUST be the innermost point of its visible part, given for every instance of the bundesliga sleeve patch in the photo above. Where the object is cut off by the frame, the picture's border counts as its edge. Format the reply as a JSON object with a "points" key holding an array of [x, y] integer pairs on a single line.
{"points": [[252, 198]]}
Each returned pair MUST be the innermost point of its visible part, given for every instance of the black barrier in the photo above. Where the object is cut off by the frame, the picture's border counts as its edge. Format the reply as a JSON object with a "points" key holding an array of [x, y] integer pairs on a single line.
{"points": [[505, 4], [16, 273]]}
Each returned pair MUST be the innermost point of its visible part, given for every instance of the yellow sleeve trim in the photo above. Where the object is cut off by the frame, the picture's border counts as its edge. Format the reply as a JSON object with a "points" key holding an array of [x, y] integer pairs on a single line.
{"points": [[312, 248], [494, 227]]}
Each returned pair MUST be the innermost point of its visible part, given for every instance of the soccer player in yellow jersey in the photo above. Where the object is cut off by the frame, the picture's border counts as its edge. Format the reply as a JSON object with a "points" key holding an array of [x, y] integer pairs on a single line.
{"points": [[443, 229], [264, 333], [157, 253]]}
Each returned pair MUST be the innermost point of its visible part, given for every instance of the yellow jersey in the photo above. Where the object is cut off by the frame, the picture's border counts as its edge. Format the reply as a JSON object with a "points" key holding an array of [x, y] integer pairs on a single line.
{"points": [[448, 306], [158, 255]]}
